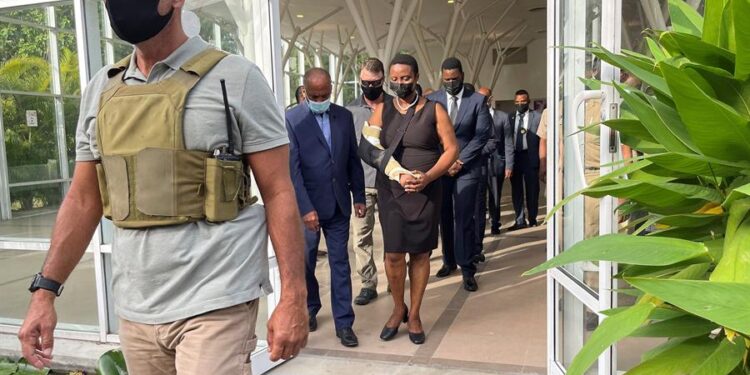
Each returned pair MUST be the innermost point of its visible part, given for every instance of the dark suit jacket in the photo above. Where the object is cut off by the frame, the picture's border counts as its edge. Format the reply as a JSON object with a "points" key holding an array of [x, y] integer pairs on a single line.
{"points": [[472, 129], [324, 179], [502, 134], [532, 140]]}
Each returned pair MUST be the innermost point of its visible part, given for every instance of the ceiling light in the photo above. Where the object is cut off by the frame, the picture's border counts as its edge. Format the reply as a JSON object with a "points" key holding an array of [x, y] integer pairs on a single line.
{"points": [[300, 16], [351, 37], [450, 1]]}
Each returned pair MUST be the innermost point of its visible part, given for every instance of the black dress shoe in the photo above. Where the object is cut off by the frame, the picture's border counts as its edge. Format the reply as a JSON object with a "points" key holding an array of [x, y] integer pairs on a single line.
{"points": [[389, 333], [347, 336], [365, 296], [417, 338], [495, 230], [313, 323], [517, 227], [533, 224], [445, 271], [470, 284]]}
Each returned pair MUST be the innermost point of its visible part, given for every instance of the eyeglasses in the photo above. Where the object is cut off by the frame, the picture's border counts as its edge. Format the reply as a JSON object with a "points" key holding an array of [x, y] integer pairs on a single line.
{"points": [[376, 83]]}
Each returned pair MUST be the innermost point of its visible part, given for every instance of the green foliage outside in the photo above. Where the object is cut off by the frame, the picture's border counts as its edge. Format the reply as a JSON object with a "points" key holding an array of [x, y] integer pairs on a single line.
{"points": [[692, 124], [24, 67]]}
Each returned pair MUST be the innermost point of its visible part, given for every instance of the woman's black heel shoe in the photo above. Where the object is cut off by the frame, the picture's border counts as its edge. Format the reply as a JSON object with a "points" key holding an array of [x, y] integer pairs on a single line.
{"points": [[389, 333], [417, 338]]}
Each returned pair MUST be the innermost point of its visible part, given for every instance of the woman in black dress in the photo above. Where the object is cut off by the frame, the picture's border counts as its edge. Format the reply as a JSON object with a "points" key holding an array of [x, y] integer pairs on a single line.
{"points": [[410, 208]]}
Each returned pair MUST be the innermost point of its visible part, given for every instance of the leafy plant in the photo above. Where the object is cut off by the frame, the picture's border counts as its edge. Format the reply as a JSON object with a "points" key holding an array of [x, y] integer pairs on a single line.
{"points": [[20, 367], [691, 122], [111, 363]]}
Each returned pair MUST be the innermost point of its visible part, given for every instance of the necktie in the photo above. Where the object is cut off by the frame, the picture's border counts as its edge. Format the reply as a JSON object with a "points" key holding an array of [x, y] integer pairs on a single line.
{"points": [[520, 133], [454, 109]]}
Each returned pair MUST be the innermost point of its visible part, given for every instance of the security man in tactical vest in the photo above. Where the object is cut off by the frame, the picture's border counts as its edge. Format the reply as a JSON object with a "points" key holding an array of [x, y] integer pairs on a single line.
{"points": [[166, 141]]}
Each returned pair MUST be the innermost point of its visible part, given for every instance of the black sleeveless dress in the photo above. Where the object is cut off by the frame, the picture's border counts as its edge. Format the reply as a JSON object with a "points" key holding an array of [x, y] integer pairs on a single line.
{"points": [[410, 220]]}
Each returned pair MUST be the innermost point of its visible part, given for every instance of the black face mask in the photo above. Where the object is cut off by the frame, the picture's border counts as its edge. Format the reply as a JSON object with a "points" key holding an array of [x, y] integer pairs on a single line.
{"points": [[453, 87], [402, 90], [135, 23], [521, 108], [372, 93]]}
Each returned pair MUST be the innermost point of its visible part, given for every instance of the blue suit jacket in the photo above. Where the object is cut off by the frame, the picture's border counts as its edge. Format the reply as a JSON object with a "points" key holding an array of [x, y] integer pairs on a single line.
{"points": [[472, 129], [323, 178]]}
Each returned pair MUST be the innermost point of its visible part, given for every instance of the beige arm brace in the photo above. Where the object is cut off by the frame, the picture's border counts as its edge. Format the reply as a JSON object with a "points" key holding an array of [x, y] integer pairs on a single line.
{"points": [[392, 169]]}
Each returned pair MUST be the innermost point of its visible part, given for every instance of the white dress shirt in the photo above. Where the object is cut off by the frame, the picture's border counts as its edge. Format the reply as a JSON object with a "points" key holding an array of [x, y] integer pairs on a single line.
{"points": [[458, 102], [525, 126]]}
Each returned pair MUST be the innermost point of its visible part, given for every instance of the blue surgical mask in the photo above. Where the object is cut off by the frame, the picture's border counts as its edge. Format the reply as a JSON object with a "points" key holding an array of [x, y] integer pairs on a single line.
{"points": [[319, 107]]}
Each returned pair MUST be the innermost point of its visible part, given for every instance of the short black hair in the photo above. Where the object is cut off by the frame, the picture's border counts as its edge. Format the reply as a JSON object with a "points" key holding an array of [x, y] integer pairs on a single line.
{"points": [[452, 63], [405, 59], [298, 93], [523, 92], [373, 65]]}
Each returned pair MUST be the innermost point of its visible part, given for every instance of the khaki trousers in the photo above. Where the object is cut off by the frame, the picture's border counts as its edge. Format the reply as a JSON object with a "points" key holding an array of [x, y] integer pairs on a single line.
{"points": [[363, 242], [217, 342]]}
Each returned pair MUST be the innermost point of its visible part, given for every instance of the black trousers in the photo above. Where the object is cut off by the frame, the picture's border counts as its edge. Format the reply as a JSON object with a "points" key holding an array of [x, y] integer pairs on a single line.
{"points": [[488, 197], [457, 224], [525, 186]]}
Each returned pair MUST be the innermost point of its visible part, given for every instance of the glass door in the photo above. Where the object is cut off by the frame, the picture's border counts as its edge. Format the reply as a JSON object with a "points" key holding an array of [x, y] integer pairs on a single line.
{"points": [[51, 51], [577, 292]]}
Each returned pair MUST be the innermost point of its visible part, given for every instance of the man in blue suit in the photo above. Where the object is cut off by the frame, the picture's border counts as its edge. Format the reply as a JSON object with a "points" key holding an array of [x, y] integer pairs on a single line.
{"points": [[525, 180], [472, 123], [326, 173]]}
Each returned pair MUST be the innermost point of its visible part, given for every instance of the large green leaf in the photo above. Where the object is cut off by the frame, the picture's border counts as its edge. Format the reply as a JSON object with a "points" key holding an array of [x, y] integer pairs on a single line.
{"points": [[684, 326], [671, 119], [649, 76], [698, 165], [724, 303], [697, 50], [681, 358], [651, 120], [112, 363], [684, 18], [717, 129], [734, 265], [612, 329], [712, 22], [723, 360], [689, 220], [633, 128], [664, 198], [646, 251], [740, 12], [723, 86]]}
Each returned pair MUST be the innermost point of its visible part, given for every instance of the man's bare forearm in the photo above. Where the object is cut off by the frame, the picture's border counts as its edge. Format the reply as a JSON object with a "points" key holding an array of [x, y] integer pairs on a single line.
{"points": [[285, 230], [76, 222]]}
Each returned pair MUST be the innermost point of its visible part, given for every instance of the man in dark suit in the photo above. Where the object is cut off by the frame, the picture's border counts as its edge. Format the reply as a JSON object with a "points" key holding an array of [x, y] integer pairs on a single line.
{"points": [[496, 166], [525, 179], [471, 122], [326, 172]]}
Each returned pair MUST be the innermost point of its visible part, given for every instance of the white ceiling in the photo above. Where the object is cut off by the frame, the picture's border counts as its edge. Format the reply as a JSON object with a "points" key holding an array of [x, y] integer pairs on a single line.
{"points": [[435, 15]]}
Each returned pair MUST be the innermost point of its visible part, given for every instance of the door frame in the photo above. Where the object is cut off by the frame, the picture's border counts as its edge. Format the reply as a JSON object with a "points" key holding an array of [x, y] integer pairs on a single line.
{"points": [[559, 280]]}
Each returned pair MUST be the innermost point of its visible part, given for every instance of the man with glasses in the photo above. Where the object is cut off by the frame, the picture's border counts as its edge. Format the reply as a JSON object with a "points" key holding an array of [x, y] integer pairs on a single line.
{"points": [[371, 79]]}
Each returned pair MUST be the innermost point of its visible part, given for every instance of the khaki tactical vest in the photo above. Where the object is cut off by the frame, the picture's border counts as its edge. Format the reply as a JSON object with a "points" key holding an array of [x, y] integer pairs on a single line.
{"points": [[147, 178]]}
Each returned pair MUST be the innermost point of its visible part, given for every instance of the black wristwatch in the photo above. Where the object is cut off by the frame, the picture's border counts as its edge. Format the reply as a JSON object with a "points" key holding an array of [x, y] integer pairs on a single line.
{"points": [[41, 282]]}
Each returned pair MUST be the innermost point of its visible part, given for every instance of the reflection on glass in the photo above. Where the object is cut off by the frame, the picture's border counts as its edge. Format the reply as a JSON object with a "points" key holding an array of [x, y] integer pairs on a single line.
{"points": [[631, 349], [76, 309], [581, 26], [578, 323]]}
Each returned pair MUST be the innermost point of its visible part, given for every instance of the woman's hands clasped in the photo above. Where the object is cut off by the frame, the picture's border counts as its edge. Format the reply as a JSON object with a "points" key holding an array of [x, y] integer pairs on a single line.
{"points": [[414, 183]]}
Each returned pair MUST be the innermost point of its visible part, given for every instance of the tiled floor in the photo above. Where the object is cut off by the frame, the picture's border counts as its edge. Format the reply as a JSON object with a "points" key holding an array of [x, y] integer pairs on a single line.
{"points": [[499, 329]]}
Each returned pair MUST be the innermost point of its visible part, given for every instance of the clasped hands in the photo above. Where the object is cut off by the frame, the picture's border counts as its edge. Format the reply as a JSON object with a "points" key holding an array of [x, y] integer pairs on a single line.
{"points": [[414, 182]]}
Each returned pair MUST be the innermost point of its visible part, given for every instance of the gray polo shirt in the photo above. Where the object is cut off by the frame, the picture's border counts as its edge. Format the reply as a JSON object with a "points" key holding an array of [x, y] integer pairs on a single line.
{"points": [[166, 274], [361, 112]]}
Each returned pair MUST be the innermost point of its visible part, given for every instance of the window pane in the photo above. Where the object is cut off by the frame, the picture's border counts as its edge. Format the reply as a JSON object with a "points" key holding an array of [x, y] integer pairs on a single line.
{"points": [[72, 107], [65, 16], [76, 308], [578, 323], [24, 64], [33, 211], [31, 146]]}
